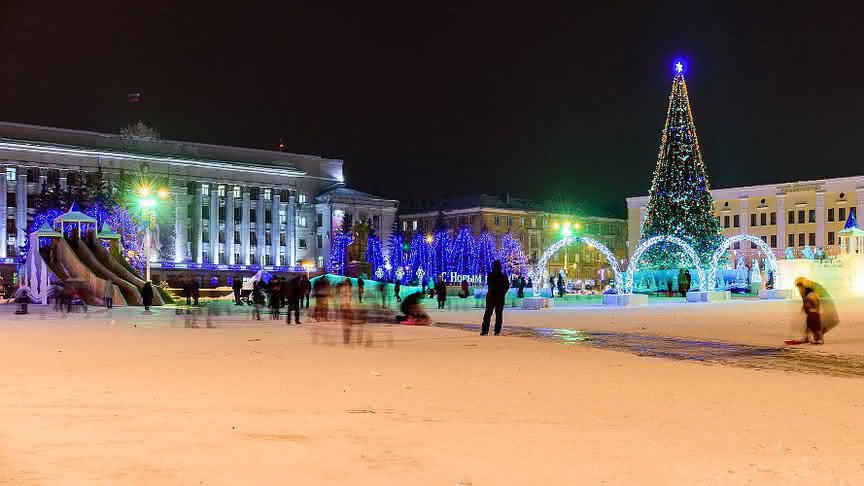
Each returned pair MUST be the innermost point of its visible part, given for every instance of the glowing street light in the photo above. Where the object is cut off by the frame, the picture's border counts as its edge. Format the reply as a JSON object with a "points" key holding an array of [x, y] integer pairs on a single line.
{"points": [[429, 239], [148, 208], [308, 267]]}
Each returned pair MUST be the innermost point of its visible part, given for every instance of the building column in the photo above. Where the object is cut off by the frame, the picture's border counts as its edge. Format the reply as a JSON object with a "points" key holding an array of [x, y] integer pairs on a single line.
{"points": [[214, 224], [197, 240], [259, 229], [820, 219], [859, 207], [781, 223], [21, 209], [245, 227], [744, 215], [181, 216], [229, 225], [291, 231], [327, 220], [3, 195], [275, 222]]}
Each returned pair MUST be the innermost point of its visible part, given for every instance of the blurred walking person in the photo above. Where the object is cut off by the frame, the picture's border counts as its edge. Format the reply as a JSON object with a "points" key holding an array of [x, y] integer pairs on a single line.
{"points": [[275, 297], [292, 300], [322, 297], [361, 287], [441, 292], [237, 287], [108, 294], [257, 299], [397, 287], [497, 285], [306, 289]]}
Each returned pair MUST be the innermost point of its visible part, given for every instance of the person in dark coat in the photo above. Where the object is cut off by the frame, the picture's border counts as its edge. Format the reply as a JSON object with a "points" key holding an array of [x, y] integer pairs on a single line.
{"points": [[441, 292], [521, 285], [560, 285], [238, 290], [147, 295], [293, 294], [196, 290], [305, 289], [397, 287], [361, 287], [497, 285]]}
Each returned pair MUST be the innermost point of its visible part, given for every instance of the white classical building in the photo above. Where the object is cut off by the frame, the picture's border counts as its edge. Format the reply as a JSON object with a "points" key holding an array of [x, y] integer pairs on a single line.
{"points": [[235, 208]]}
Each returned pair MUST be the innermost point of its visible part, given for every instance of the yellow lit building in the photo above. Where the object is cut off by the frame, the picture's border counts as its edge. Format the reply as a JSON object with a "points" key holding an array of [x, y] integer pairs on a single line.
{"points": [[785, 215]]}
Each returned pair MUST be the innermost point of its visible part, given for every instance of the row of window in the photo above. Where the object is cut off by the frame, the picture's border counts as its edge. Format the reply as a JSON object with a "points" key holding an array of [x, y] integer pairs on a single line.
{"points": [[803, 216], [236, 191], [253, 238]]}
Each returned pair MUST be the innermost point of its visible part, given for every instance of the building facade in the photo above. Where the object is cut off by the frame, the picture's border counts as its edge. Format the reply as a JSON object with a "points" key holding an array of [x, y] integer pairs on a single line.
{"points": [[784, 215], [233, 208], [534, 224]]}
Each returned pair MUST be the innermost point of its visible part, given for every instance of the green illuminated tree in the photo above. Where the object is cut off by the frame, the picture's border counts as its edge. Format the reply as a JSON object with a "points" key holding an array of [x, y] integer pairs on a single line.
{"points": [[679, 202]]}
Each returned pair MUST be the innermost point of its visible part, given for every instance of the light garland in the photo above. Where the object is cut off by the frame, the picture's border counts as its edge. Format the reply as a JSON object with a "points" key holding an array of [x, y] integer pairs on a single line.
{"points": [[726, 243], [645, 245], [680, 203]]}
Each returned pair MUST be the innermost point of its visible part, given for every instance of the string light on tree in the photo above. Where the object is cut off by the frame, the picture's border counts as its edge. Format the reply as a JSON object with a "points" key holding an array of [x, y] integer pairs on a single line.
{"points": [[680, 203]]}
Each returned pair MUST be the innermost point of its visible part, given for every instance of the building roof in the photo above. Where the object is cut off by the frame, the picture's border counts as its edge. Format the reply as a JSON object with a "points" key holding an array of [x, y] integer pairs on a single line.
{"points": [[836, 184], [342, 193], [74, 216], [46, 232], [61, 141], [106, 233], [505, 202]]}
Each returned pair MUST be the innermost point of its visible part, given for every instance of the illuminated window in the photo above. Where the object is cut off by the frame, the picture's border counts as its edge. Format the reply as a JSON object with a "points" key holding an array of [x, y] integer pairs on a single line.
{"points": [[205, 189], [11, 174], [414, 225], [268, 194], [301, 221], [237, 193], [302, 198], [221, 190]]}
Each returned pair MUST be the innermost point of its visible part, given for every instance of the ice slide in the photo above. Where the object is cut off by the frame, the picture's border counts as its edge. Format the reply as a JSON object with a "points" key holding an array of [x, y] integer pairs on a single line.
{"points": [[129, 291], [61, 260], [113, 261]]}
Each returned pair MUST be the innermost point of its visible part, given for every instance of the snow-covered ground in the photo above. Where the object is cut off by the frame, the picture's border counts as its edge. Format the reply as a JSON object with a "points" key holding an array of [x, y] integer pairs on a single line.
{"points": [[128, 398]]}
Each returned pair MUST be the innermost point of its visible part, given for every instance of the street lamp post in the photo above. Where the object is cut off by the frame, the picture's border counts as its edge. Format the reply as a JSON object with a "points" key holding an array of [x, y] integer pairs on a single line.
{"points": [[148, 208]]}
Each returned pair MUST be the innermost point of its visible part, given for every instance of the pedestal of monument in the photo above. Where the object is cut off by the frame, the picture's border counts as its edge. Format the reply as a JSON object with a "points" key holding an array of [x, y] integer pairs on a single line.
{"points": [[625, 299], [709, 296], [537, 303], [778, 294]]}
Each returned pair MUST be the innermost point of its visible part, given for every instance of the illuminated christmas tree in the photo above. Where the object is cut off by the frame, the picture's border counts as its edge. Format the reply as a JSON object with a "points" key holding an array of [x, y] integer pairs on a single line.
{"points": [[396, 253], [440, 256], [512, 257], [486, 252], [463, 254], [419, 258], [679, 203], [374, 257], [339, 253]]}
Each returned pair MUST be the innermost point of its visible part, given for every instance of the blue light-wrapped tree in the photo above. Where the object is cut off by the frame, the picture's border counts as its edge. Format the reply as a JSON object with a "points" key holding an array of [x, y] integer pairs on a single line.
{"points": [[679, 203], [440, 248], [486, 252], [374, 256], [463, 253], [339, 253], [419, 258], [512, 257], [396, 253]]}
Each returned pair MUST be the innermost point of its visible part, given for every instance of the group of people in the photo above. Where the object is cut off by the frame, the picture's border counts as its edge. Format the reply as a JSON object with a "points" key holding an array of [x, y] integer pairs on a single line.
{"points": [[190, 290], [279, 292]]}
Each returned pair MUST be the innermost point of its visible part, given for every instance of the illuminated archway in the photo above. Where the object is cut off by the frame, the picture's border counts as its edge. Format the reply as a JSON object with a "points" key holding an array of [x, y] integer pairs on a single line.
{"points": [[728, 242], [541, 273], [644, 245]]}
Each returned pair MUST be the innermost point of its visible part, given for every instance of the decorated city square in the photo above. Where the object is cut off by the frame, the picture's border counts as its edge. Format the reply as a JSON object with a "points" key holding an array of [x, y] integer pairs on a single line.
{"points": [[188, 297]]}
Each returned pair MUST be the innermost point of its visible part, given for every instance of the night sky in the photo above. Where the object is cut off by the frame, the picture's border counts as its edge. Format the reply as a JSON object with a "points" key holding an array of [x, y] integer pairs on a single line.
{"points": [[556, 102]]}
